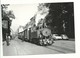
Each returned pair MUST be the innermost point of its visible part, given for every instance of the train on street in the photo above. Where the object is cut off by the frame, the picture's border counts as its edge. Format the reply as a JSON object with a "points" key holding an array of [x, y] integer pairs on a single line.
{"points": [[40, 34]]}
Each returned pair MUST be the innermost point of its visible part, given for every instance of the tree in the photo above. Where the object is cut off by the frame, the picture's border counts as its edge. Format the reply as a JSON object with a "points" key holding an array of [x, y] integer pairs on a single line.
{"points": [[61, 16], [7, 16], [6, 13]]}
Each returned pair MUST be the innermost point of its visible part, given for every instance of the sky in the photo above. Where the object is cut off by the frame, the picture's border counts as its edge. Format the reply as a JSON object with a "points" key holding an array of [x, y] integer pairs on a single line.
{"points": [[23, 13]]}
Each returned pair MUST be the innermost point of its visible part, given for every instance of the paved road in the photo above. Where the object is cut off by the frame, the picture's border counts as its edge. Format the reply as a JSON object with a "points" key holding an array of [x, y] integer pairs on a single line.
{"points": [[17, 47]]}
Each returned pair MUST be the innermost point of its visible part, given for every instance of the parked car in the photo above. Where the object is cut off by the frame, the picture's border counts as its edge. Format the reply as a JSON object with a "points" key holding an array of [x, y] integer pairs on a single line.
{"points": [[56, 36], [62, 36]]}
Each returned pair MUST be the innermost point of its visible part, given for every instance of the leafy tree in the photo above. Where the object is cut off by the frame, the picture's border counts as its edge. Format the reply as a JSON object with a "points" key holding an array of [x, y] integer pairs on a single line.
{"points": [[7, 15], [61, 16]]}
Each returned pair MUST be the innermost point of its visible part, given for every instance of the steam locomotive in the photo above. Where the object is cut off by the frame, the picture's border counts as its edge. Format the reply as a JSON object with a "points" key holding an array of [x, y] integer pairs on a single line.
{"points": [[40, 35]]}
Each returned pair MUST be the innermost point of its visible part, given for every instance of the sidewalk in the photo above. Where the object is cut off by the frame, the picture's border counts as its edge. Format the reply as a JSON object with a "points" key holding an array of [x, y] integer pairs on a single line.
{"points": [[9, 50]]}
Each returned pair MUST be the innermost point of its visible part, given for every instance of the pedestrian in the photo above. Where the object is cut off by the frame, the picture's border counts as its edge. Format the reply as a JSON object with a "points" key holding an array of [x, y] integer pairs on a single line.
{"points": [[7, 39]]}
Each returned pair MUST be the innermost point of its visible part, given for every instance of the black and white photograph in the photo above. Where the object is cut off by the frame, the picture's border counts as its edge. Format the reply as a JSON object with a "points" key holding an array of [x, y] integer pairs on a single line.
{"points": [[38, 28]]}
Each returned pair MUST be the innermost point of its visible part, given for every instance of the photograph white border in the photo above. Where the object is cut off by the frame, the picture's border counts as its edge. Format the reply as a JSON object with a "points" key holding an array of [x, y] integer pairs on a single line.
{"points": [[77, 28]]}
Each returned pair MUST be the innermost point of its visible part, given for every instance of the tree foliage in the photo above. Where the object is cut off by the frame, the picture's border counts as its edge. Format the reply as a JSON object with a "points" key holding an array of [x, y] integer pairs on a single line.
{"points": [[61, 18], [7, 13]]}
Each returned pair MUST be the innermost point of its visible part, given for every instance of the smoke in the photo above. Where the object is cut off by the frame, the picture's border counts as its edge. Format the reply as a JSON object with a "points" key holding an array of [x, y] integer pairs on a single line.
{"points": [[43, 11]]}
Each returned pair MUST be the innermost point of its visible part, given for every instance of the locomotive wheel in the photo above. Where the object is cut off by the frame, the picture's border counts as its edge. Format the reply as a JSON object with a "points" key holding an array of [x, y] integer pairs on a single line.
{"points": [[41, 42], [45, 42], [50, 41]]}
